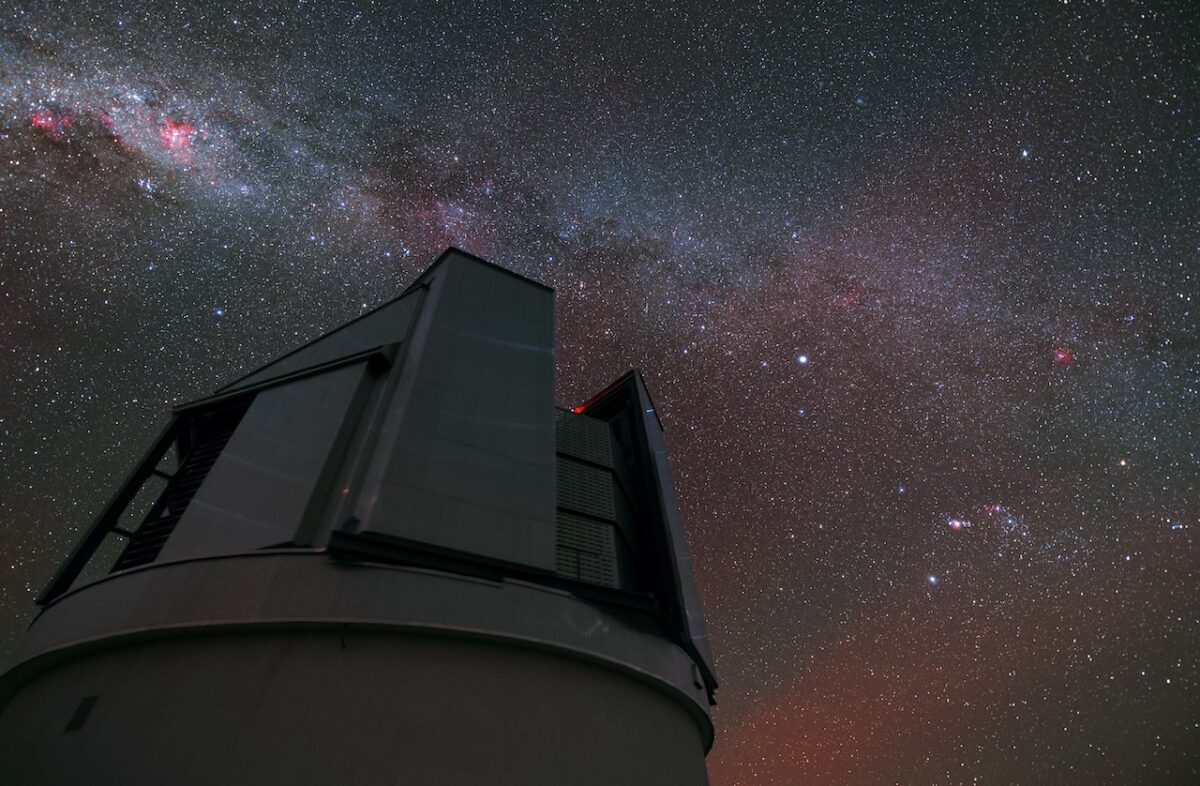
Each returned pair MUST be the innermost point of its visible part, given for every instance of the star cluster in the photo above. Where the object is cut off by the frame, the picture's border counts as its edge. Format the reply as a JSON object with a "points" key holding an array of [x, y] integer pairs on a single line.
{"points": [[913, 286]]}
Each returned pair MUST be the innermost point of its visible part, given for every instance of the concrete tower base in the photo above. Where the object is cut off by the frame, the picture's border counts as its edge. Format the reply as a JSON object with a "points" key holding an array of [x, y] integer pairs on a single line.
{"points": [[235, 685]]}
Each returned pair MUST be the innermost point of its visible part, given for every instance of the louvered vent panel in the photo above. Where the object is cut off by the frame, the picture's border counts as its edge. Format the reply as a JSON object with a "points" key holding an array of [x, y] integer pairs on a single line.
{"points": [[585, 489], [585, 550], [583, 438]]}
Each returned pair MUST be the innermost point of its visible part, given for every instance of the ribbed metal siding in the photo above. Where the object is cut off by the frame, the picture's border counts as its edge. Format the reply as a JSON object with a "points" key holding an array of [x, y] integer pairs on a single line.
{"points": [[582, 437], [585, 550], [585, 545], [585, 489]]}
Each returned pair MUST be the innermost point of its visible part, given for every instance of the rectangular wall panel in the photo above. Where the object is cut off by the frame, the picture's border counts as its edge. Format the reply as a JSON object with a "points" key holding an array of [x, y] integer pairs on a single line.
{"points": [[466, 461], [257, 492]]}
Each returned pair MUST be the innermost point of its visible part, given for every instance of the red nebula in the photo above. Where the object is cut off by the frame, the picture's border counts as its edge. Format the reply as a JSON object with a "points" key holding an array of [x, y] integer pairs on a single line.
{"points": [[176, 134], [992, 509], [850, 295], [43, 120], [1063, 355], [51, 122]]}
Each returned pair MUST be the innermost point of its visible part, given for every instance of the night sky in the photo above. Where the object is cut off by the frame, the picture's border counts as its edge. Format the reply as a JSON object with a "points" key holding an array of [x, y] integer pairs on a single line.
{"points": [[914, 288]]}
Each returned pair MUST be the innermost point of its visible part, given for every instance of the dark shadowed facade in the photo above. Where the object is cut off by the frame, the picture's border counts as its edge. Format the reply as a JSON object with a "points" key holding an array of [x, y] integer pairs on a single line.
{"points": [[387, 557]]}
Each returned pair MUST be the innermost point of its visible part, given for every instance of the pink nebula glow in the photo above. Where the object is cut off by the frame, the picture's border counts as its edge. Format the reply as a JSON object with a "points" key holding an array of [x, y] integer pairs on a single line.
{"points": [[176, 134]]}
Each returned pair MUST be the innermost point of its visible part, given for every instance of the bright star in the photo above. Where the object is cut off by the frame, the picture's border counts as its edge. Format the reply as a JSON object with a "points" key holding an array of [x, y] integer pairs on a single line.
{"points": [[802, 360], [932, 579]]}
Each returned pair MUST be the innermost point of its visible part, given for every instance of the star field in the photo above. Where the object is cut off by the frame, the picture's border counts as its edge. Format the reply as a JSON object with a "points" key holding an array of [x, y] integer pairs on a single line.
{"points": [[914, 288]]}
